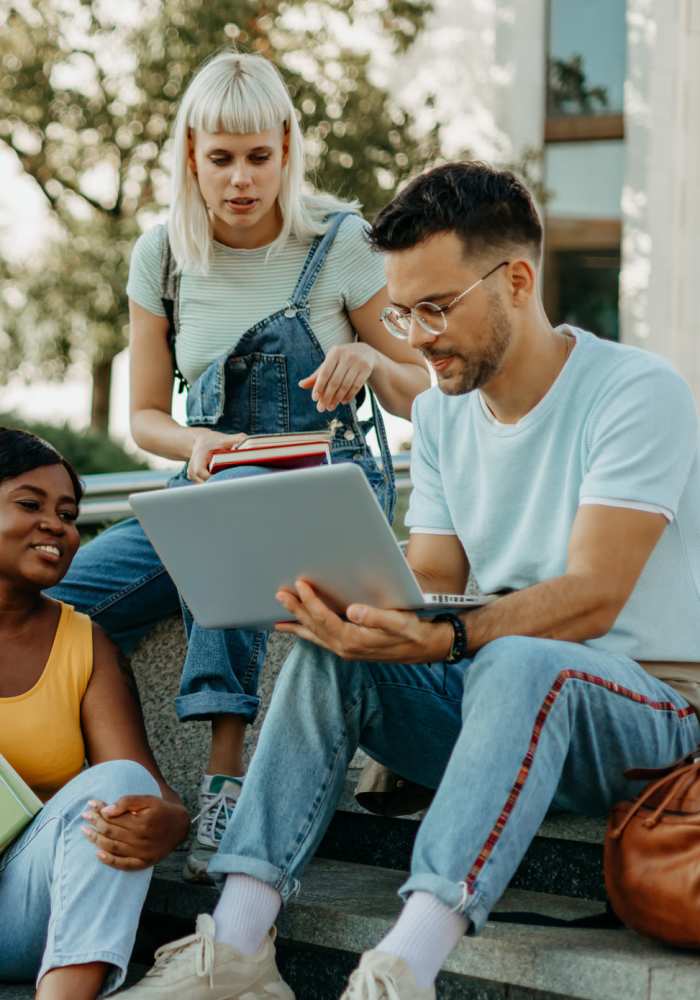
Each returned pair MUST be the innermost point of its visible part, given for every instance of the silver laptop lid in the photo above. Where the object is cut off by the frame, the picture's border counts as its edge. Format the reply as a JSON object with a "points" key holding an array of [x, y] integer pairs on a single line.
{"points": [[229, 546]]}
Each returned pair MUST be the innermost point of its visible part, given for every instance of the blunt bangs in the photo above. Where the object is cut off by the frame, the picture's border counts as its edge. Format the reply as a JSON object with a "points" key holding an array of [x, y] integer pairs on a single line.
{"points": [[239, 105]]}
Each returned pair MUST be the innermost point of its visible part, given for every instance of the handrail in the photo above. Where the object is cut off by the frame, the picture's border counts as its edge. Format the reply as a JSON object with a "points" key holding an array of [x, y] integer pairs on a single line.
{"points": [[106, 495]]}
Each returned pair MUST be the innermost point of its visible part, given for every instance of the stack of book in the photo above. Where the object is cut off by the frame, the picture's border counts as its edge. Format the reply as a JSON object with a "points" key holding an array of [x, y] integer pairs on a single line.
{"points": [[18, 804], [282, 451]]}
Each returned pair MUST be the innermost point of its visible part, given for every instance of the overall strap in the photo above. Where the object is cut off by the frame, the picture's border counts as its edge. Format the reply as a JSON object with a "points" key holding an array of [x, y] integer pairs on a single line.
{"points": [[384, 451], [315, 258], [170, 297]]}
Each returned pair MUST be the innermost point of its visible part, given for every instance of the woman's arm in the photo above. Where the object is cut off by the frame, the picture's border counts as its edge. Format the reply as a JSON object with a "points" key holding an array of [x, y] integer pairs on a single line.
{"points": [[137, 830], [394, 370], [400, 373], [110, 714], [151, 384]]}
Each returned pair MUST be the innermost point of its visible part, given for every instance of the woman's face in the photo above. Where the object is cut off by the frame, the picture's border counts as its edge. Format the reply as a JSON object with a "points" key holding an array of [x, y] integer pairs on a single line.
{"points": [[38, 533], [239, 177]]}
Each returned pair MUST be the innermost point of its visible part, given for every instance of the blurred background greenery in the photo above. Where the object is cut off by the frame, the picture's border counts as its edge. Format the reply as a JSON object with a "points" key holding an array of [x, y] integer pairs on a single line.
{"points": [[88, 91]]}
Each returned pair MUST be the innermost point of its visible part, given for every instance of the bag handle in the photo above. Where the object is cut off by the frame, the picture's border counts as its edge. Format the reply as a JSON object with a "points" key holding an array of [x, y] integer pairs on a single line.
{"points": [[680, 781]]}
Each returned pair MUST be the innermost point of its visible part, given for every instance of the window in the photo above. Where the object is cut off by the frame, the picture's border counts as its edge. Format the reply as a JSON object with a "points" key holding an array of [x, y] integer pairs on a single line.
{"points": [[586, 67], [584, 162], [588, 285]]}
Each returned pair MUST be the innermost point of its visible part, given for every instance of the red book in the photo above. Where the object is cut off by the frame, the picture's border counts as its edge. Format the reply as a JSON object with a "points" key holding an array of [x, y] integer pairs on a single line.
{"points": [[283, 451]]}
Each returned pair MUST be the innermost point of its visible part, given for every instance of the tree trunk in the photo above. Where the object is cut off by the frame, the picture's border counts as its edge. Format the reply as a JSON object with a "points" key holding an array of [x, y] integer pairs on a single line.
{"points": [[101, 388]]}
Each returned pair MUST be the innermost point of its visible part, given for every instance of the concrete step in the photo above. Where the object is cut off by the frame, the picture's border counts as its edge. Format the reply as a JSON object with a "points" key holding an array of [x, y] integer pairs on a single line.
{"points": [[344, 909], [25, 991], [565, 858]]}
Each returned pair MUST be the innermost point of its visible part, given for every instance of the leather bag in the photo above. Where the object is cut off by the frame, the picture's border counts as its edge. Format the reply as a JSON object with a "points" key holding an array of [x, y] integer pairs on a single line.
{"points": [[652, 854]]}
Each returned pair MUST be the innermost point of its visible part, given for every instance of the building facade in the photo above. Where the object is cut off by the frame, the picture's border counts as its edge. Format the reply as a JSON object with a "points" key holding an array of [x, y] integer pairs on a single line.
{"points": [[602, 99]]}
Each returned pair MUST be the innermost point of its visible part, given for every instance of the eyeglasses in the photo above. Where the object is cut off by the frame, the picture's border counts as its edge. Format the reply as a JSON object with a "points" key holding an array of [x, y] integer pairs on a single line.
{"points": [[430, 317]]}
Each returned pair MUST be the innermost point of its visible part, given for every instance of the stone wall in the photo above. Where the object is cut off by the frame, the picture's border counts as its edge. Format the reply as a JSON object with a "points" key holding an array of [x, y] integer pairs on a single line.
{"points": [[182, 748]]}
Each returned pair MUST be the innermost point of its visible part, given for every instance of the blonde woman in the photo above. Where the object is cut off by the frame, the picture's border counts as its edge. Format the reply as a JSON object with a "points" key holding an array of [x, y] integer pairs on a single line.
{"points": [[268, 298]]}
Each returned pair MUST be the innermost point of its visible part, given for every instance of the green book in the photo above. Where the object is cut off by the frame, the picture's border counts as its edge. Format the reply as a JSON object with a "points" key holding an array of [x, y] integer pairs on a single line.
{"points": [[18, 803]]}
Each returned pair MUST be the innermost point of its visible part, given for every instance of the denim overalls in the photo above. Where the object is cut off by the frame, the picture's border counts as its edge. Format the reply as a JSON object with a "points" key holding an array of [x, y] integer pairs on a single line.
{"points": [[118, 579]]}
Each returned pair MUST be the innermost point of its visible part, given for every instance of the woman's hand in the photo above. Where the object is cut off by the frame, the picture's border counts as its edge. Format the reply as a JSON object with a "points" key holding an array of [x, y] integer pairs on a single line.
{"points": [[344, 371], [136, 831], [205, 442]]}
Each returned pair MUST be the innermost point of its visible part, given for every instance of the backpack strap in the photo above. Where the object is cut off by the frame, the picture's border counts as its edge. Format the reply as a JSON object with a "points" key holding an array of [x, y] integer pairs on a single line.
{"points": [[170, 297]]}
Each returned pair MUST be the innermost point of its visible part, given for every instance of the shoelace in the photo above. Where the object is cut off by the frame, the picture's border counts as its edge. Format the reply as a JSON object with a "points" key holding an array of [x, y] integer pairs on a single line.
{"points": [[216, 813], [202, 954], [366, 985]]}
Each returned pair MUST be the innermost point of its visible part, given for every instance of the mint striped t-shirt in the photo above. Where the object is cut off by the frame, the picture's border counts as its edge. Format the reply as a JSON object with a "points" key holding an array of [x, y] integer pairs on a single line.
{"points": [[244, 286]]}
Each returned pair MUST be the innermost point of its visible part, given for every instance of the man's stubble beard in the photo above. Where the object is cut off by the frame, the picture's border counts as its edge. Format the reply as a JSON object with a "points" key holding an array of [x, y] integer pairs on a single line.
{"points": [[476, 370]]}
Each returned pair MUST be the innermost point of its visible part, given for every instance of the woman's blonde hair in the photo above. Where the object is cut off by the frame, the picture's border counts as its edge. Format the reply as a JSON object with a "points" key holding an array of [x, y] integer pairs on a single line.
{"points": [[240, 94]]}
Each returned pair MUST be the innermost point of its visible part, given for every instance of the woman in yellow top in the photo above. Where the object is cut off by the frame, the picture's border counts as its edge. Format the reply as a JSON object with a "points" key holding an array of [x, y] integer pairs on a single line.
{"points": [[73, 883]]}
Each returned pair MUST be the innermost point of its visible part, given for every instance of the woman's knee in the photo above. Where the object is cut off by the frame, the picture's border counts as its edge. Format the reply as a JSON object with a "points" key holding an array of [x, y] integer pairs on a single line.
{"points": [[115, 778]]}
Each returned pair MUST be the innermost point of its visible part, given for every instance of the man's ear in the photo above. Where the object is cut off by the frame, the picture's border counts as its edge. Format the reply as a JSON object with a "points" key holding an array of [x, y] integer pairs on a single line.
{"points": [[522, 278]]}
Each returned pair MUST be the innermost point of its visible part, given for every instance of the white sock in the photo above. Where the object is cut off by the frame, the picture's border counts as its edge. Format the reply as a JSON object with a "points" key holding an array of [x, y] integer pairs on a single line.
{"points": [[424, 935], [246, 911]]}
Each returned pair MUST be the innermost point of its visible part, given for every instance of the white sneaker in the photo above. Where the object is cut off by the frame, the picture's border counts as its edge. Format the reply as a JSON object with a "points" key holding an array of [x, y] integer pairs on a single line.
{"points": [[218, 794], [199, 968], [381, 976]]}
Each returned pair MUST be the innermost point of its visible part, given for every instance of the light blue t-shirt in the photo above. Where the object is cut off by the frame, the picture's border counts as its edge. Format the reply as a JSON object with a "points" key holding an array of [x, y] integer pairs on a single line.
{"points": [[618, 427]]}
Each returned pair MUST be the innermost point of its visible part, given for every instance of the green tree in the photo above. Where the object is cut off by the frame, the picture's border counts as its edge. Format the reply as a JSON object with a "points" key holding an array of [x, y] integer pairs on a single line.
{"points": [[570, 93], [87, 95]]}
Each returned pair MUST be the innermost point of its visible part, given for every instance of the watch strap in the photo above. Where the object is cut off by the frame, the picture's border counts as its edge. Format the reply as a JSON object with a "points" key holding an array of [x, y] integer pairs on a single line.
{"points": [[458, 650]]}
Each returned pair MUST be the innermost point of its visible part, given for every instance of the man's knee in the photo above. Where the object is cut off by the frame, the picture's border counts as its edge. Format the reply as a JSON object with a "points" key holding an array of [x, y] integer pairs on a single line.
{"points": [[311, 672], [515, 667]]}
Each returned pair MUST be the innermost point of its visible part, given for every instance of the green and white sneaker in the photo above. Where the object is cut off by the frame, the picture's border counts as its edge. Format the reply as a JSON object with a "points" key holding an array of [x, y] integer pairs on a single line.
{"points": [[218, 795]]}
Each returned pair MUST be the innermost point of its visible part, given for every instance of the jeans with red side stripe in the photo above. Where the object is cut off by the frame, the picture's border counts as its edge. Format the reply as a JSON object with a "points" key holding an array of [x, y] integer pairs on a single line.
{"points": [[524, 726]]}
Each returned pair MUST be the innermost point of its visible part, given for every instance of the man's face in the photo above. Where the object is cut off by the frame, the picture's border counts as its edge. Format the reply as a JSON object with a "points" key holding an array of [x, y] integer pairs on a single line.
{"points": [[471, 351]]}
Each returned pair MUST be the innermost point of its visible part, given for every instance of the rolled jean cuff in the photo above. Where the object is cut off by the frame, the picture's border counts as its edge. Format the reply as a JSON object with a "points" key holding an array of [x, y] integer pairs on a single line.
{"points": [[115, 975], [205, 704], [453, 894], [263, 871]]}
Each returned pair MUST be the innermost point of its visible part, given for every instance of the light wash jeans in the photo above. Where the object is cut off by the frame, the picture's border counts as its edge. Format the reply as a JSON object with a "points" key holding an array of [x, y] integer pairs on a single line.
{"points": [[524, 725], [59, 905]]}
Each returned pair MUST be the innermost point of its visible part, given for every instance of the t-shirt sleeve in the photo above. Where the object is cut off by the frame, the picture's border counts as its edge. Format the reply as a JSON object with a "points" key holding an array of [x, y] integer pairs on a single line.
{"points": [[642, 439], [362, 267], [143, 285], [427, 508]]}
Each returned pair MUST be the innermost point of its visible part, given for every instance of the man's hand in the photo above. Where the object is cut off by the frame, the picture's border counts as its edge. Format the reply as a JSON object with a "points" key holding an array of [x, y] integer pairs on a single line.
{"points": [[136, 831], [368, 634]]}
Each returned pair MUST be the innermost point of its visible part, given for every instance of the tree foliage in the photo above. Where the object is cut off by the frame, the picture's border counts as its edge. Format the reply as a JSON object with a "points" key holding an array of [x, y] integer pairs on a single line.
{"points": [[88, 90]]}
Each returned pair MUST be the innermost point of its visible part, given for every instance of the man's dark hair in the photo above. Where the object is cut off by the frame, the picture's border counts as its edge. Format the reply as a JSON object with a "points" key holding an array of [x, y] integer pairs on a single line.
{"points": [[22, 452], [488, 209]]}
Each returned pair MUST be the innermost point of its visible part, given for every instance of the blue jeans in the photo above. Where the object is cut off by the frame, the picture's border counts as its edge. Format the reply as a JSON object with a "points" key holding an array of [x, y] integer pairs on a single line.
{"points": [[524, 725], [59, 905]]}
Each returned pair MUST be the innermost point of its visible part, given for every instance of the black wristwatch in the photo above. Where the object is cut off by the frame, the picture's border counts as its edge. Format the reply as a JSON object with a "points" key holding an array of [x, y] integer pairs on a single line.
{"points": [[459, 639]]}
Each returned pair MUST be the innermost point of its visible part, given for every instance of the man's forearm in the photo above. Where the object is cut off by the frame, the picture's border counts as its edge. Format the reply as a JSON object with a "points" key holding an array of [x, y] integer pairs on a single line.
{"points": [[569, 607]]}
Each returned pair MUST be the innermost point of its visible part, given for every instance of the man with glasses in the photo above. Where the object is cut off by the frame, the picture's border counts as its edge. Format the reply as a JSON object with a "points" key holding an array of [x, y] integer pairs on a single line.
{"points": [[546, 462]]}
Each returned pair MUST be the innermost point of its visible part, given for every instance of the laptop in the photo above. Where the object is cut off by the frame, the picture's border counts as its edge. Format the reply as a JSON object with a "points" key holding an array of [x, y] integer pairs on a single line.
{"points": [[229, 546]]}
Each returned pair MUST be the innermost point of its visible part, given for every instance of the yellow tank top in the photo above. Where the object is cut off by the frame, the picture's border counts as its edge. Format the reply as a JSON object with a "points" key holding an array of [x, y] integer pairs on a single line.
{"points": [[40, 731]]}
